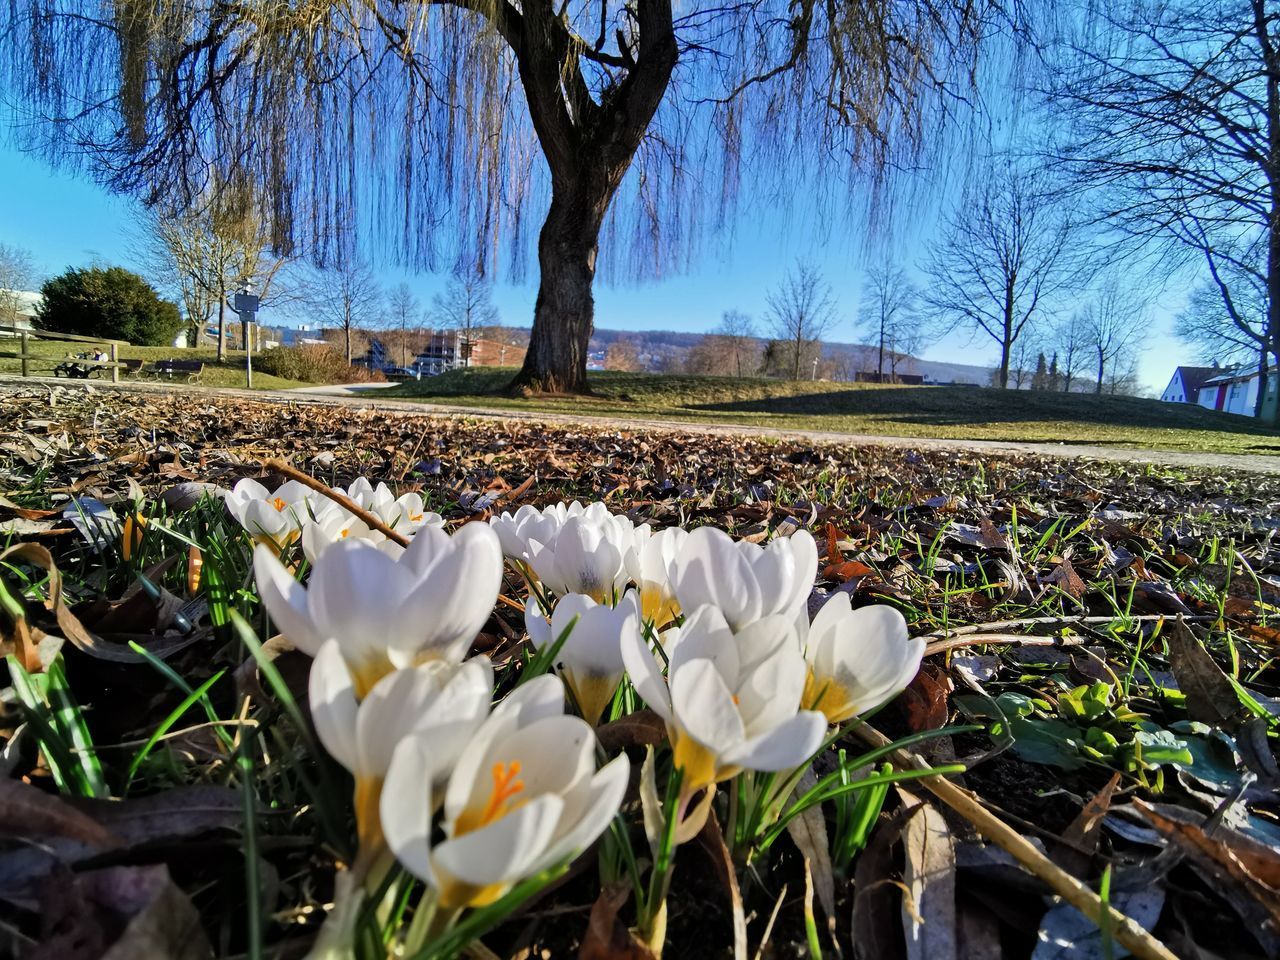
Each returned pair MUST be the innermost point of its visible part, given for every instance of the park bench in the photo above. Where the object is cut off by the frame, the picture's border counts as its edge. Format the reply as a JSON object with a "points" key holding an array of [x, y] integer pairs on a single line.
{"points": [[191, 369]]}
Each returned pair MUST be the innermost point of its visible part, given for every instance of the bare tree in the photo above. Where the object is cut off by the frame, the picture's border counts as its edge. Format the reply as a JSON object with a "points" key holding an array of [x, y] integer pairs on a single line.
{"points": [[206, 252], [1172, 110], [730, 350], [1213, 330], [1022, 361], [799, 313], [404, 312], [18, 274], [347, 298], [1113, 323], [738, 332], [423, 100], [1002, 257], [622, 355], [1070, 341], [890, 313], [465, 305]]}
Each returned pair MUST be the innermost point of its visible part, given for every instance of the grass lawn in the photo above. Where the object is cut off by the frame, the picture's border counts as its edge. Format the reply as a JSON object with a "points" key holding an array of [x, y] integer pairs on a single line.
{"points": [[945, 412], [229, 373]]}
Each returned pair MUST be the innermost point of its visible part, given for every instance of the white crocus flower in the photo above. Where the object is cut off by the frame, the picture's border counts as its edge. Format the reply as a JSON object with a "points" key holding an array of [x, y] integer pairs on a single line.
{"points": [[649, 567], [387, 613], [858, 659], [587, 555], [444, 702], [524, 796], [333, 522], [270, 517], [515, 530], [405, 514], [731, 701], [591, 658], [743, 580]]}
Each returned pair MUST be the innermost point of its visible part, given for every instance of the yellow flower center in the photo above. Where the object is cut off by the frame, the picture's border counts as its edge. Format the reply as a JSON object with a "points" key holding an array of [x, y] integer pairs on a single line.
{"points": [[367, 672], [697, 762], [344, 533], [657, 606], [591, 692], [368, 796], [829, 696], [415, 517], [502, 799]]}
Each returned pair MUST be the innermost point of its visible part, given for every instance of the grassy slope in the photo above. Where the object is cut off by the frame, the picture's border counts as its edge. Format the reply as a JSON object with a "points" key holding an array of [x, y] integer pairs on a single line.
{"points": [[227, 374], [950, 412]]}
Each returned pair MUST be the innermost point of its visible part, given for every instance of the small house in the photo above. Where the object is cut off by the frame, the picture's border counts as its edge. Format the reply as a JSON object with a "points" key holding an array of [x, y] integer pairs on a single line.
{"points": [[1184, 386]]}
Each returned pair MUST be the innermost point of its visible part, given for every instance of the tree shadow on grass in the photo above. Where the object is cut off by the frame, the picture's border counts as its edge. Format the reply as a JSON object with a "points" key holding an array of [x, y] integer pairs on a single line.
{"points": [[976, 406]]}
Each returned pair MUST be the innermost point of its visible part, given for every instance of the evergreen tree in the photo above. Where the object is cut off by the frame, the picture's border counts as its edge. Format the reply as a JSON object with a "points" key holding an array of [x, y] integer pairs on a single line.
{"points": [[108, 302], [1055, 376], [1040, 379]]}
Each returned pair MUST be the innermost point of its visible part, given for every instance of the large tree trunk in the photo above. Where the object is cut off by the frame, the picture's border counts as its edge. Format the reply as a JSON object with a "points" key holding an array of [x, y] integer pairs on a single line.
{"points": [[589, 146], [564, 313]]}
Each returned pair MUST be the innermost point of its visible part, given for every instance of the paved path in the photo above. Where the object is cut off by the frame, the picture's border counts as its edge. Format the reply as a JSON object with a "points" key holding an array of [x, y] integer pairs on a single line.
{"points": [[364, 396]]}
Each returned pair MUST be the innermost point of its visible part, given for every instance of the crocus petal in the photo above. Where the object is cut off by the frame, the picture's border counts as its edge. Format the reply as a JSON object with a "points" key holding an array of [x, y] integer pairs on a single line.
{"points": [[709, 570], [333, 705], [502, 851], [703, 706], [805, 551], [357, 594], [406, 806], [608, 787], [646, 674], [706, 636], [535, 624], [785, 747], [285, 600]]}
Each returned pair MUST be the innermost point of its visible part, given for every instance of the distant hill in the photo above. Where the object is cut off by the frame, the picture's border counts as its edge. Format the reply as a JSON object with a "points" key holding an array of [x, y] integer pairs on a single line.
{"points": [[857, 356]]}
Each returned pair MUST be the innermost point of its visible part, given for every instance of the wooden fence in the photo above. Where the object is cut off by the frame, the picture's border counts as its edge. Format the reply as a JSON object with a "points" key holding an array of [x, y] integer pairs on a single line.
{"points": [[24, 353]]}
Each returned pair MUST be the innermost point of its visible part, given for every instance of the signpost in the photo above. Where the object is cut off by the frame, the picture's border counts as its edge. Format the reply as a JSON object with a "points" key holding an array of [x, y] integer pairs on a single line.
{"points": [[246, 308]]}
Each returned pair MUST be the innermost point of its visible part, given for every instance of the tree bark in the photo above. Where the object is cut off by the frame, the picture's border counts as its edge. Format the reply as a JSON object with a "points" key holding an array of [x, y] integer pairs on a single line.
{"points": [[564, 313], [222, 328], [1006, 345], [588, 146], [880, 362]]}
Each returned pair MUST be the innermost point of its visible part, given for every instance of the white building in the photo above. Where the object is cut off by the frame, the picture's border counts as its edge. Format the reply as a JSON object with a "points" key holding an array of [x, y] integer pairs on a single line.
{"points": [[18, 308], [1235, 390], [1184, 386]]}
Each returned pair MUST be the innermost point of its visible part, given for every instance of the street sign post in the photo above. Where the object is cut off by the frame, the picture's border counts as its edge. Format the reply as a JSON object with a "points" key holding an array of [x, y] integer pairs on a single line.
{"points": [[246, 307]]}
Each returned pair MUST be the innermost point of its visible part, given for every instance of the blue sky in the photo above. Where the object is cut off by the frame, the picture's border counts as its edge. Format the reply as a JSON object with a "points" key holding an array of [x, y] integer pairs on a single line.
{"points": [[66, 221]]}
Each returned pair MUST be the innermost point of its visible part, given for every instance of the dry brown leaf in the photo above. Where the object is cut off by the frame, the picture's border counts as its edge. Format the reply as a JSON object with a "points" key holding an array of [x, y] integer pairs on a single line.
{"points": [[1210, 697], [607, 937], [929, 878], [1080, 839], [711, 839], [808, 832]]}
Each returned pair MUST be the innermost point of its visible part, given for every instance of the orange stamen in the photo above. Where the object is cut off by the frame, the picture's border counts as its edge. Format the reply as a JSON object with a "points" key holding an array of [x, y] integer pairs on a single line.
{"points": [[505, 786], [279, 504]]}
